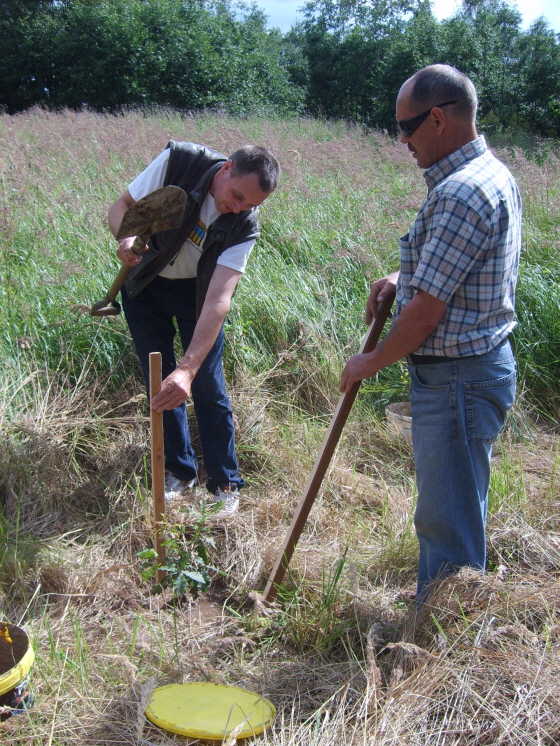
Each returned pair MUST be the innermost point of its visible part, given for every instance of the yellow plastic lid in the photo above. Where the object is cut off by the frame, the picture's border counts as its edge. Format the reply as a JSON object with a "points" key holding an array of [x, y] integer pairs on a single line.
{"points": [[209, 711]]}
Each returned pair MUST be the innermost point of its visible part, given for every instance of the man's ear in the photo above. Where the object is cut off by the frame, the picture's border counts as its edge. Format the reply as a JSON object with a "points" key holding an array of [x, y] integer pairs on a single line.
{"points": [[439, 118]]}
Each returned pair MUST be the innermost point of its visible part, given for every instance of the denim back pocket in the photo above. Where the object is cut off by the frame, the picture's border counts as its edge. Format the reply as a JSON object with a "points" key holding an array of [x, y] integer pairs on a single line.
{"points": [[487, 403]]}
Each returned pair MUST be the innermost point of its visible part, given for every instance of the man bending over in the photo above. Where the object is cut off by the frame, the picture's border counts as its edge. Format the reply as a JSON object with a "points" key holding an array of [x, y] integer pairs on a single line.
{"points": [[189, 275]]}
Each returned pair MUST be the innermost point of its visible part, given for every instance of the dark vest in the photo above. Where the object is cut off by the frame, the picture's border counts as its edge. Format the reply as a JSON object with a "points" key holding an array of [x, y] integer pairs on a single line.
{"points": [[192, 168]]}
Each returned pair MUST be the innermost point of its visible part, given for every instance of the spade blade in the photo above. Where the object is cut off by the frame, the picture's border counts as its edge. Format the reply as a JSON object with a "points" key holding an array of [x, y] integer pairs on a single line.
{"points": [[158, 211]]}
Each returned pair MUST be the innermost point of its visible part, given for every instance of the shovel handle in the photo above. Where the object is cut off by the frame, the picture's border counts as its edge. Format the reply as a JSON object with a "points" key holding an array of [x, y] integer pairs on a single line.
{"points": [[118, 282], [139, 244], [125, 270]]}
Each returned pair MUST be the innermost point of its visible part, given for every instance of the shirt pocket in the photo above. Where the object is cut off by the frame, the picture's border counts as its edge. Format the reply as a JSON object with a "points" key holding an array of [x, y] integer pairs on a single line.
{"points": [[406, 246], [487, 403]]}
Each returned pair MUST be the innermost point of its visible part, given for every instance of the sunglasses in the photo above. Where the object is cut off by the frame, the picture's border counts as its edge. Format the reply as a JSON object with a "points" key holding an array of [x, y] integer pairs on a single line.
{"points": [[409, 126]]}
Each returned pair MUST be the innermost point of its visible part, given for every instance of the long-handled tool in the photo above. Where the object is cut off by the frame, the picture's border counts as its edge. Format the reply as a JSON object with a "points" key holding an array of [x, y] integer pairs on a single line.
{"points": [[323, 460], [161, 210], [158, 486]]}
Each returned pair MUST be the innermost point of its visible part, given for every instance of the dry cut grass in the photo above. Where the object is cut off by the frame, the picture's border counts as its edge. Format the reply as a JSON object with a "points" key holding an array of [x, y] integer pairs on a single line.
{"points": [[345, 663]]}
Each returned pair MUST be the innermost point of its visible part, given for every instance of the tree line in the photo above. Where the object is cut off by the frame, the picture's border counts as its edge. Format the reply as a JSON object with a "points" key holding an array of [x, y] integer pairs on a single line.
{"points": [[346, 59], [352, 56], [109, 54]]}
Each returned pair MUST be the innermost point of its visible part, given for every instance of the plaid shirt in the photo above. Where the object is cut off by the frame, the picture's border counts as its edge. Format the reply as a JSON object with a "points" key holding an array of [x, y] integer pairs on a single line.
{"points": [[463, 249]]}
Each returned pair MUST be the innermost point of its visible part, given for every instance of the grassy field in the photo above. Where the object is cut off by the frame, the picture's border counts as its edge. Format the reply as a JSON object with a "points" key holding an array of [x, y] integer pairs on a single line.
{"points": [[341, 654]]}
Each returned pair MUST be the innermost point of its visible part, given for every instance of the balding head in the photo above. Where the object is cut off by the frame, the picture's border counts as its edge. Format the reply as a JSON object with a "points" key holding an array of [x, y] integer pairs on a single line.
{"points": [[436, 111], [437, 83]]}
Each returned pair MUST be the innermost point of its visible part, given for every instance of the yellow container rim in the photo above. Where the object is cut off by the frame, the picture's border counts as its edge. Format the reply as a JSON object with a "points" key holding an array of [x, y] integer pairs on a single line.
{"points": [[17, 674]]}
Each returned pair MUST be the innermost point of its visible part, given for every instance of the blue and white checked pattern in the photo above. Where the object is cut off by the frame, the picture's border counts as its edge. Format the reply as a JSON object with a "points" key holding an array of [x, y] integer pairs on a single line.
{"points": [[463, 249]]}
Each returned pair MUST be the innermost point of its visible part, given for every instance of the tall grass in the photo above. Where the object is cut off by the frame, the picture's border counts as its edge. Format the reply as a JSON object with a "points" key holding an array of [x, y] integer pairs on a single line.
{"points": [[330, 230], [342, 655]]}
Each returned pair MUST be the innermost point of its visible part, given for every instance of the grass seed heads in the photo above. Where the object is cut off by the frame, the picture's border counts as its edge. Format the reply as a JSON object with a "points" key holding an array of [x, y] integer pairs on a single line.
{"points": [[342, 653]]}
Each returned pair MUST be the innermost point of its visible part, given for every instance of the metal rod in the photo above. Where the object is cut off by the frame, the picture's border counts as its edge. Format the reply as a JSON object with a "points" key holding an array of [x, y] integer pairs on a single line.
{"points": [[323, 460]]}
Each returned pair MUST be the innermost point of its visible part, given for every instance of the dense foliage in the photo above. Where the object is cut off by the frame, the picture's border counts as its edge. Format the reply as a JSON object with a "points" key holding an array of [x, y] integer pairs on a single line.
{"points": [[346, 60], [351, 56], [108, 54]]}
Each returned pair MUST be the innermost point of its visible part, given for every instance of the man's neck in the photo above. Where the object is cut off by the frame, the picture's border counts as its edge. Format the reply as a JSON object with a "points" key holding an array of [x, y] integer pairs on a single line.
{"points": [[461, 138]]}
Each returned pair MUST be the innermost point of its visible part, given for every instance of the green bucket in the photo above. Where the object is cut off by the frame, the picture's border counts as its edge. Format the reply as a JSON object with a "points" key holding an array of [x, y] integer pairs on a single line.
{"points": [[16, 659]]}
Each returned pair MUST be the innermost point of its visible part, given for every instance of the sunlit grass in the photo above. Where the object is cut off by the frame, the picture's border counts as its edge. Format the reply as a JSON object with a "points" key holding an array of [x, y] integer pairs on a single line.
{"points": [[342, 655]]}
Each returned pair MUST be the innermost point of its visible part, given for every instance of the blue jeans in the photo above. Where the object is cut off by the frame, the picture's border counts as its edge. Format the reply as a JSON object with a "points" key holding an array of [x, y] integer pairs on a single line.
{"points": [[150, 319], [458, 409]]}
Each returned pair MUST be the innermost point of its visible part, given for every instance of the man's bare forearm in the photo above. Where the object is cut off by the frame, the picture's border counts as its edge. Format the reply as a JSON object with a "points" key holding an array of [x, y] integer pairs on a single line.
{"points": [[417, 321], [117, 211], [406, 335], [205, 334], [176, 388]]}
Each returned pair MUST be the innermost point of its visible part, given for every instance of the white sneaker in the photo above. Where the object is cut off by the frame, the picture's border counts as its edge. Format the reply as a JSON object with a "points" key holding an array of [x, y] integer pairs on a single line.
{"points": [[228, 494], [174, 487]]}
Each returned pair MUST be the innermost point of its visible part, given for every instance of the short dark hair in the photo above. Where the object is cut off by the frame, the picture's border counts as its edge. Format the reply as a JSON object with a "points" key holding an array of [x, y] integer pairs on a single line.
{"points": [[438, 83], [252, 159]]}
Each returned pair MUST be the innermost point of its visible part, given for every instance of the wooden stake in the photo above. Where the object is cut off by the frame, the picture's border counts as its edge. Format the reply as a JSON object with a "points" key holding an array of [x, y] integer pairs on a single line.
{"points": [[158, 478], [323, 460]]}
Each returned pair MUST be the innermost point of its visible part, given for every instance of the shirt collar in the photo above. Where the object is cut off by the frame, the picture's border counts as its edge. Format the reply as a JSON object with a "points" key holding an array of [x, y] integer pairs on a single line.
{"points": [[452, 162]]}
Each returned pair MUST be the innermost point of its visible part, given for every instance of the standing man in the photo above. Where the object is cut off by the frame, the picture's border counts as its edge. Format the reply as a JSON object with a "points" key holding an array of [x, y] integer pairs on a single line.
{"points": [[454, 312], [189, 275]]}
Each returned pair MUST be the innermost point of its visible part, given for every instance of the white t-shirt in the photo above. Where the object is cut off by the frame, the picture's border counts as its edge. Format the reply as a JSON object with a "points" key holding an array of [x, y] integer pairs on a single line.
{"points": [[185, 263]]}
